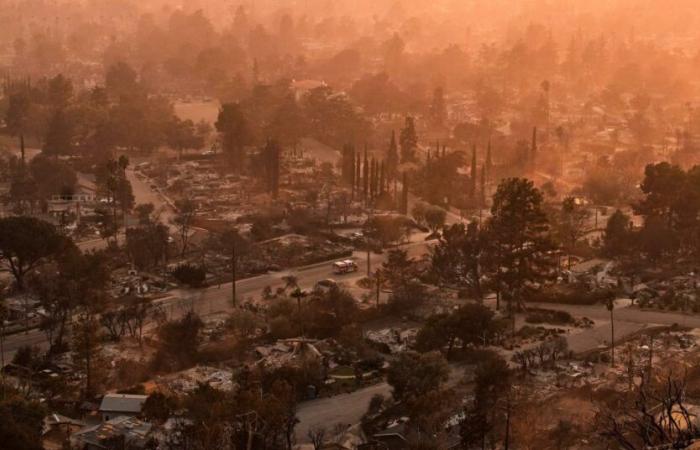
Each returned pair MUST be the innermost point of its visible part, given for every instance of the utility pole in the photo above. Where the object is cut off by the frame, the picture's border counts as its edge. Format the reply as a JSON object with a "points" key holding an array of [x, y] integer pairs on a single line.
{"points": [[233, 273], [369, 247], [251, 420], [2, 349], [611, 308], [369, 266], [299, 294], [506, 441], [378, 276], [595, 227], [612, 339], [651, 356]]}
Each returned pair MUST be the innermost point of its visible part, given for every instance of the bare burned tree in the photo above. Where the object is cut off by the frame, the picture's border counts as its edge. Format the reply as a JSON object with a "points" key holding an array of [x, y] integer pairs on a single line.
{"points": [[317, 436], [655, 416]]}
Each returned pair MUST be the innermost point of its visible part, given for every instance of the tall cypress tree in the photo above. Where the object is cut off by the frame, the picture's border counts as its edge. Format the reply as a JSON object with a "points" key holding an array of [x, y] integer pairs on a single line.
{"points": [[392, 157], [271, 158], [489, 163], [275, 169], [351, 169], [473, 172], [382, 180], [533, 149], [375, 177], [483, 186], [344, 163], [428, 167], [351, 165], [396, 196], [408, 140], [365, 177], [372, 178], [358, 173]]}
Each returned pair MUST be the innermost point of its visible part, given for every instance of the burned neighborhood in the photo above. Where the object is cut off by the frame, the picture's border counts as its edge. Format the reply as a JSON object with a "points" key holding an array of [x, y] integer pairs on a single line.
{"points": [[349, 225]]}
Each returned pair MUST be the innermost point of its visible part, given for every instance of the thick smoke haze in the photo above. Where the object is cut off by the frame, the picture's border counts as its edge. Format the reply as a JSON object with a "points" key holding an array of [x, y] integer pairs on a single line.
{"points": [[349, 224]]}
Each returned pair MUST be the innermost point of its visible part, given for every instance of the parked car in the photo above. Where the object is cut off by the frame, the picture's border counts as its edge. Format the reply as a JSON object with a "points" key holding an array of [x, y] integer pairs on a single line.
{"points": [[326, 284]]}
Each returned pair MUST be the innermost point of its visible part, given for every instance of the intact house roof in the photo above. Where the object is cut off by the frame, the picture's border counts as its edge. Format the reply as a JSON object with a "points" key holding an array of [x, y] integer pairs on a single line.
{"points": [[125, 403]]}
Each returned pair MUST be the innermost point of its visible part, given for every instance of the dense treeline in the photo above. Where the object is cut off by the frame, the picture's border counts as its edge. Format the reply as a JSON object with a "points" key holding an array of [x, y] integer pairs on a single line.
{"points": [[385, 65], [66, 121]]}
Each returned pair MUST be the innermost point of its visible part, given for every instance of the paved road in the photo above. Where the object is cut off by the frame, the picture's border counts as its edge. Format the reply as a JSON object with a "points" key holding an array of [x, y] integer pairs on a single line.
{"points": [[32, 337], [628, 320], [626, 314], [346, 409], [217, 299], [349, 408], [143, 193]]}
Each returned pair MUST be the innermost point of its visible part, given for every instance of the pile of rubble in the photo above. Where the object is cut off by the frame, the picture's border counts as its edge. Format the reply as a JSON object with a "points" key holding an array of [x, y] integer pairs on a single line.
{"points": [[289, 352], [677, 293], [188, 380], [393, 340], [297, 250]]}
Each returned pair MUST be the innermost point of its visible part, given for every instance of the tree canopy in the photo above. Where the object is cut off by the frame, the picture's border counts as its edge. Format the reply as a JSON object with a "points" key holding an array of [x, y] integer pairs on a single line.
{"points": [[26, 242]]}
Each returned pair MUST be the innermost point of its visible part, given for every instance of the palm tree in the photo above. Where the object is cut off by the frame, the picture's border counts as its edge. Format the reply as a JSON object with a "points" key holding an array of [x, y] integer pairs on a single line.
{"points": [[298, 294]]}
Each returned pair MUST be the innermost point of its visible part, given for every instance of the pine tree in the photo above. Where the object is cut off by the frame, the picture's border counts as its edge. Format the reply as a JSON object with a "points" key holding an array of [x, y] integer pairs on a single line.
{"points": [[438, 108], [520, 238], [58, 139], [236, 133]]}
